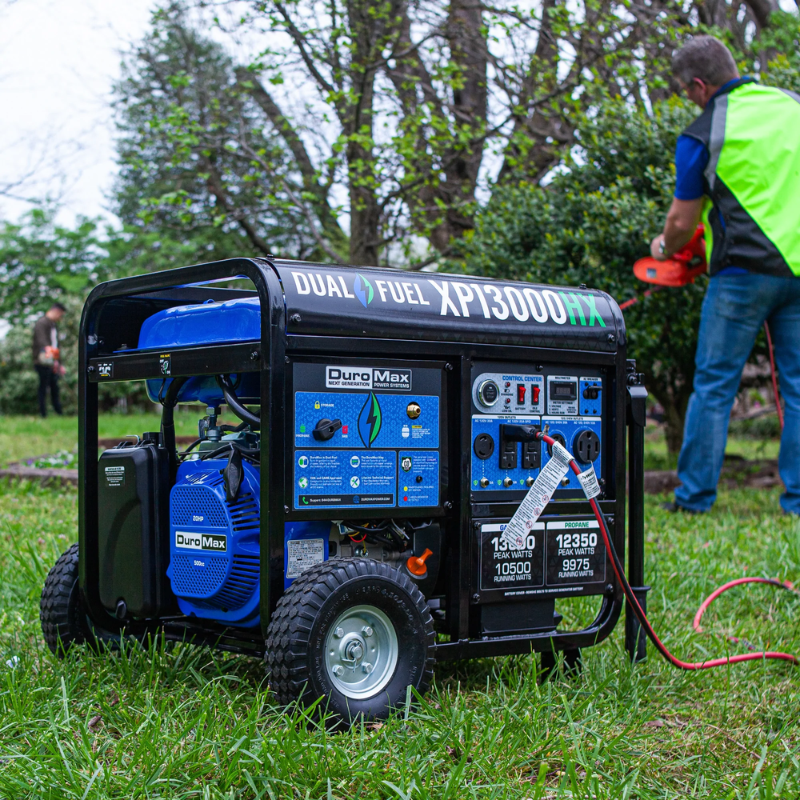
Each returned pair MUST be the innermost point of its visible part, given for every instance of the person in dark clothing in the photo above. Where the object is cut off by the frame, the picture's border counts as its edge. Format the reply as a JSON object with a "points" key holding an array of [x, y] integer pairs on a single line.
{"points": [[46, 357]]}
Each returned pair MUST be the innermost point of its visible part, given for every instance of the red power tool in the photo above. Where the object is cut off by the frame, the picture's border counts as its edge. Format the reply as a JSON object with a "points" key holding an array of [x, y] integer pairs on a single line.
{"points": [[682, 268]]}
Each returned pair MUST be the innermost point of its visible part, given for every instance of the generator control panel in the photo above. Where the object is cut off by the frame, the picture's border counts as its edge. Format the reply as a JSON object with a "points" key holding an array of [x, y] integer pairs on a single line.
{"points": [[566, 404], [367, 436]]}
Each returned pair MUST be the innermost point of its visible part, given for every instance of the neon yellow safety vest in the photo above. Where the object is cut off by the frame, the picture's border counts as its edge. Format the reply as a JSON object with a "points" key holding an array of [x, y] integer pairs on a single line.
{"points": [[752, 181]]}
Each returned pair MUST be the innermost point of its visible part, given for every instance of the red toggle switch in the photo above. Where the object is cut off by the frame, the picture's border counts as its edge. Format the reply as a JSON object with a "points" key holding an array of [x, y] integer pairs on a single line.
{"points": [[535, 398], [520, 394]]}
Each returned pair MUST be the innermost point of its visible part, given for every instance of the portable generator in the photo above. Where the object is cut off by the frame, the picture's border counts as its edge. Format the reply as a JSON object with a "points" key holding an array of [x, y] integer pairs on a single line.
{"points": [[349, 529]]}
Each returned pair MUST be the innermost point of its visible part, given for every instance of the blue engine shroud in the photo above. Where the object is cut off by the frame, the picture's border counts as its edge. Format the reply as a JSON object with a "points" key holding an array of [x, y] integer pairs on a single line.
{"points": [[214, 547]]}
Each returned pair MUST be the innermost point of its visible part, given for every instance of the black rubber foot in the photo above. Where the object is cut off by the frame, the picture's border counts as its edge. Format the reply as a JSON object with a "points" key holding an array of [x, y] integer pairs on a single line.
{"points": [[572, 665]]}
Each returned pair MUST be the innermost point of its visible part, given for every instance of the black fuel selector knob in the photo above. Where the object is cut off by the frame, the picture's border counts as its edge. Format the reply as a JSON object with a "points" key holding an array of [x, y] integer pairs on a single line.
{"points": [[325, 429]]}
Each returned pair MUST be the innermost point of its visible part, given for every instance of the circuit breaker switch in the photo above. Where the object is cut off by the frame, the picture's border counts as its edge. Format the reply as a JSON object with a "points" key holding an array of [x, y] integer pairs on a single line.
{"points": [[508, 482]]}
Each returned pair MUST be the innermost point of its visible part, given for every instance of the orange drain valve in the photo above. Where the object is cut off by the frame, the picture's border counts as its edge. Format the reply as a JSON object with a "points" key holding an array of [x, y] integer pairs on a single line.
{"points": [[416, 564]]}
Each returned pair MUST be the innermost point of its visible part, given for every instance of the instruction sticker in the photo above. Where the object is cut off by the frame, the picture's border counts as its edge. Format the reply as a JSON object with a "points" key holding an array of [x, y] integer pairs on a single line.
{"points": [[588, 480], [302, 554], [115, 476], [531, 508]]}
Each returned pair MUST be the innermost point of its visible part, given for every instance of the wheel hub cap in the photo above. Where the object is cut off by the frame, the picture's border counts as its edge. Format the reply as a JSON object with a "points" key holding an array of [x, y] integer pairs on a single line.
{"points": [[361, 652]]}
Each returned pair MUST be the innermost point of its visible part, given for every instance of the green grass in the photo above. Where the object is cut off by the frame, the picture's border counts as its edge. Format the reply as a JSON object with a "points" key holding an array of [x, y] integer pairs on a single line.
{"points": [[25, 437], [656, 456], [180, 722]]}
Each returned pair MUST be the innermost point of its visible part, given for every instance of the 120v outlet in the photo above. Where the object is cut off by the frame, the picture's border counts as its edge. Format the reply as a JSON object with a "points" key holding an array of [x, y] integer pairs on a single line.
{"points": [[483, 446]]}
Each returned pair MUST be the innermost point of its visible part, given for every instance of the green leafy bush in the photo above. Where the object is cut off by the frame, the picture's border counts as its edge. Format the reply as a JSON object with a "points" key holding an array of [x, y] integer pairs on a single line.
{"points": [[590, 224]]}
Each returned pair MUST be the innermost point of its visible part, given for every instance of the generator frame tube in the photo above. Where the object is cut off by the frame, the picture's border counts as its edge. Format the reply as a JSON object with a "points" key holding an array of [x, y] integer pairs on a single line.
{"points": [[443, 332]]}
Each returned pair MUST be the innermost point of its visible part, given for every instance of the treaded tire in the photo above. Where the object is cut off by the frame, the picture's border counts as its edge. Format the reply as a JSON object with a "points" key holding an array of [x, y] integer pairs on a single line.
{"points": [[297, 634], [60, 607]]}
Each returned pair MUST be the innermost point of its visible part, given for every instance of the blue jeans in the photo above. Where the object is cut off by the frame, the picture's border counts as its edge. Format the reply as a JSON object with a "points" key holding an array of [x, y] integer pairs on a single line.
{"points": [[734, 310]]}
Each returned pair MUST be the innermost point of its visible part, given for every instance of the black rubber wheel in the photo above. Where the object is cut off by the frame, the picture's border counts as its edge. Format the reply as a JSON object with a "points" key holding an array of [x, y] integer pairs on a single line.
{"points": [[353, 631], [63, 621]]}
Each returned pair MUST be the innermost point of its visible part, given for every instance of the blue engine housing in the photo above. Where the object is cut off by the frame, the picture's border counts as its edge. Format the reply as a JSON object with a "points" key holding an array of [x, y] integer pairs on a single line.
{"points": [[214, 546]]}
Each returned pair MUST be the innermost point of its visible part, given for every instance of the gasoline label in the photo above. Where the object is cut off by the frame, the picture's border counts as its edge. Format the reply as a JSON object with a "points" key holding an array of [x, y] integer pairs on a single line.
{"points": [[509, 568]]}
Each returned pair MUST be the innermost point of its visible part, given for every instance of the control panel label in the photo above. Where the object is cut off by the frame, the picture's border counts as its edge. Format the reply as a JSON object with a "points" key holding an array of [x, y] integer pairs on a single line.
{"points": [[418, 478], [576, 554], [368, 420], [510, 569], [344, 478]]}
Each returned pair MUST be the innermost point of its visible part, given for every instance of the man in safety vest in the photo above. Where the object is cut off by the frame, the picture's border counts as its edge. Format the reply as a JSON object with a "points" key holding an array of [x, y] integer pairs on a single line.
{"points": [[737, 170]]}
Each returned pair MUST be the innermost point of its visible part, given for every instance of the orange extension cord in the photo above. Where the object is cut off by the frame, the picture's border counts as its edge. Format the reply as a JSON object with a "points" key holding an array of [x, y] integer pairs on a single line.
{"points": [[642, 617]]}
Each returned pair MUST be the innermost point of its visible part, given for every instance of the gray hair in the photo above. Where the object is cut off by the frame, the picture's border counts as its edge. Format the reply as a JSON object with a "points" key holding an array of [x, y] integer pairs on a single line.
{"points": [[707, 58]]}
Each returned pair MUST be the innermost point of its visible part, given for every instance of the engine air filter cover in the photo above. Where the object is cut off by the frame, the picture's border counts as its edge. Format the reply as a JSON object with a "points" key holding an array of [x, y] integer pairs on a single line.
{"points": [[214, 548]]}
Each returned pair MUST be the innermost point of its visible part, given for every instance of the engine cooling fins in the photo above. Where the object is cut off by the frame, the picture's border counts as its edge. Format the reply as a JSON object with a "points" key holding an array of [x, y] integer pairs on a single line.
{"points": [[233, 475]]}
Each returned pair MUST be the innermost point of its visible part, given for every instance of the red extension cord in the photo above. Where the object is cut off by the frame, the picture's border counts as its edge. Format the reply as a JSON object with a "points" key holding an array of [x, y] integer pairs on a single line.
{"points": [[642, 617]]}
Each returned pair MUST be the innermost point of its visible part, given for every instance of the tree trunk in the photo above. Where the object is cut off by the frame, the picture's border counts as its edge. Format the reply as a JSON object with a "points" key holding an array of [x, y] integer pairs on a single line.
{"points": [[367, 27], [673, 432]]}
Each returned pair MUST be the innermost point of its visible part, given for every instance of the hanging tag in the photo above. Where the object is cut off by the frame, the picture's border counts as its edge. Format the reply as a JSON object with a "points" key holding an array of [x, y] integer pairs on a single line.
{"points": [[539, 495], [588, 480]]}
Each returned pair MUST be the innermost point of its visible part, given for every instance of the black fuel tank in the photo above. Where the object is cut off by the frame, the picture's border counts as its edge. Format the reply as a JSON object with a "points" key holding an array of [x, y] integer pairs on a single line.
{"points": [[133, 529]]}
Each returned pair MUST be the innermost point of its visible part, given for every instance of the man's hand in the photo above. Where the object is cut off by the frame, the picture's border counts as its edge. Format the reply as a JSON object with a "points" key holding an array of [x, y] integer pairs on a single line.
{"points": [[655, 248], [682, 220]]}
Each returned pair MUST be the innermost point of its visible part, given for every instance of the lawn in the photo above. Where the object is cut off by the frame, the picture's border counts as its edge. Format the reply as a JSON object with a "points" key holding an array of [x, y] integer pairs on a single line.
{"points": [[25, 437], [181, 722]]}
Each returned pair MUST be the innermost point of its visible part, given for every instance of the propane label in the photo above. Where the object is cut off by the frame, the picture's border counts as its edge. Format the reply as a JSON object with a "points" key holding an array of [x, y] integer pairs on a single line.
{"points": [[575, 553], [507, 568], [302, 554]]}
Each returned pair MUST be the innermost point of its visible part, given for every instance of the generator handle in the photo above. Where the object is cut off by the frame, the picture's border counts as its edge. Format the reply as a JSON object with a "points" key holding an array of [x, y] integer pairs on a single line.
{"points": [[635, 638]]}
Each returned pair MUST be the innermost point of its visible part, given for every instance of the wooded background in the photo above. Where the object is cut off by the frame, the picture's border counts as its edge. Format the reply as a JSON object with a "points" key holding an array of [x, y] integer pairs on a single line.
{"points": [[527, 141]]}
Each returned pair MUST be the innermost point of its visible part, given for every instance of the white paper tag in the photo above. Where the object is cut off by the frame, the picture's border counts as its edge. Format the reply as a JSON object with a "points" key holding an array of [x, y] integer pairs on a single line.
{"points": [[588, 479], [531, 508]]}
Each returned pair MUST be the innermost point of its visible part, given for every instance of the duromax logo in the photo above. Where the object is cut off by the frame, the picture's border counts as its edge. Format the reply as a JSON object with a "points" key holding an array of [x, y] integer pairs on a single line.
{"points": [[369, 420], [363, 289]]}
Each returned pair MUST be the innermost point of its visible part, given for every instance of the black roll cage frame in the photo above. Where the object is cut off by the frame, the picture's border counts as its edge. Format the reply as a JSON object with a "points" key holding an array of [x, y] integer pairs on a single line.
{"points": [[114, 312]]}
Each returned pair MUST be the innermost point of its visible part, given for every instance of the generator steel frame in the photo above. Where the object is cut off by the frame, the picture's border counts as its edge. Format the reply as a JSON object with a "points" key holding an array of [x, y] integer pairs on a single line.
{"points": [[113, 314]]}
